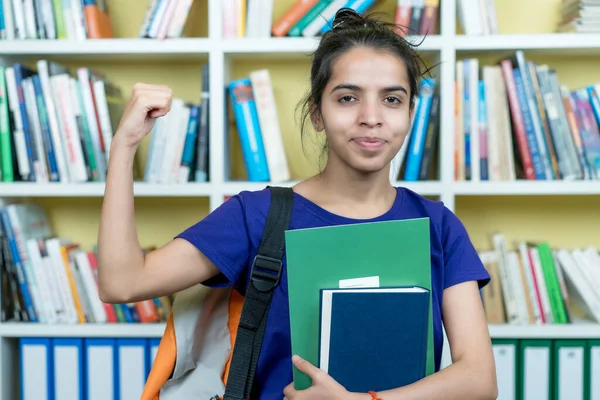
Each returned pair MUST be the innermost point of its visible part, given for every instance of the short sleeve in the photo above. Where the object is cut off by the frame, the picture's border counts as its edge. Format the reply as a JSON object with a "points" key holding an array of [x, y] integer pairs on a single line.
{"points": [[461, 260], [223, 237]]}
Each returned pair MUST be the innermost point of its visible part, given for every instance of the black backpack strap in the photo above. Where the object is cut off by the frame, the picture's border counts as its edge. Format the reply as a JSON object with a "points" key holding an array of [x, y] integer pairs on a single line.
{"points": [[264, 277]]}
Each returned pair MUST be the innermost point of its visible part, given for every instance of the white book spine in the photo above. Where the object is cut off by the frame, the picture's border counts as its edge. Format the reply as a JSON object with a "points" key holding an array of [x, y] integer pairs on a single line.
{"points": [[9, 22], [74, 152], [53, 247], [103, 116], [30, 25], [85, 270], [269, 125], [44, 282], [179, 18]]}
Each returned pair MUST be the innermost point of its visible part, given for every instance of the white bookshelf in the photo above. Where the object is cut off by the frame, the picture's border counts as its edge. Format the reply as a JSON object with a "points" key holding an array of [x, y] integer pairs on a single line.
{"points": [[444, 49]]}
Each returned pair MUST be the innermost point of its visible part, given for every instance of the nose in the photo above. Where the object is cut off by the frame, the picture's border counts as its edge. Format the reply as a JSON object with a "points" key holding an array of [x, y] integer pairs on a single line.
{"points": [[370, 113]]}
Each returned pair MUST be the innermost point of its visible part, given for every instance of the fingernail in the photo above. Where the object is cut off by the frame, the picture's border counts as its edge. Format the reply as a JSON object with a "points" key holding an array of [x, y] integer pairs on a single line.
{"points": [[295, 357]]}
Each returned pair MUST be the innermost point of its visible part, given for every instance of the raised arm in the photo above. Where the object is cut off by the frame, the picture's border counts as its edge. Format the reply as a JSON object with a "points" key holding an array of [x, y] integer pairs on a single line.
{"points": [[124, 274]]}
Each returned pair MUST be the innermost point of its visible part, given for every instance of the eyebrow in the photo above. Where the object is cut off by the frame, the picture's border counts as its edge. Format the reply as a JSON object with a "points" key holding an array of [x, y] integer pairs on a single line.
{"points": [[394, 88]]}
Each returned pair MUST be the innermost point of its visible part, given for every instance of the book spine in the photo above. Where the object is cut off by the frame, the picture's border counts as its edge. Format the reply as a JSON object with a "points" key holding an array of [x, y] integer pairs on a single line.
{"points": [[292, 16], [246, 116], [415, 152]]}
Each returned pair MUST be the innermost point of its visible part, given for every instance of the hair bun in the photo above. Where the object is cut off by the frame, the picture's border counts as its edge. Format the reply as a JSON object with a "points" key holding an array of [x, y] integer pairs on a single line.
{"points": [[347, 18]]}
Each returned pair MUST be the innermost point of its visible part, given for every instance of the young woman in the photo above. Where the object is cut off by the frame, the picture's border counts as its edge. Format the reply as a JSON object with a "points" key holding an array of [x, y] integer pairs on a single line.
{"points": [[364, 80]]}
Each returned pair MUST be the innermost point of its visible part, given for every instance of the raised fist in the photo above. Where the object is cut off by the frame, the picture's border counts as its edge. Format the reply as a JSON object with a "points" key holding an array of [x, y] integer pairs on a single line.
{"points": [[147, 103]]}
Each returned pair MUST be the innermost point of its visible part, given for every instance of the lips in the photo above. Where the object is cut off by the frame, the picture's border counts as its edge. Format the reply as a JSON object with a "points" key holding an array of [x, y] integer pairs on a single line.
{"points": [[369, 142]]}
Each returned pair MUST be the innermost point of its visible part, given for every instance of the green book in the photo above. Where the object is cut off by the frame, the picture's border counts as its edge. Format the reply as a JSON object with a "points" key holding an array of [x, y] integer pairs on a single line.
{"points": [[397, 252]]}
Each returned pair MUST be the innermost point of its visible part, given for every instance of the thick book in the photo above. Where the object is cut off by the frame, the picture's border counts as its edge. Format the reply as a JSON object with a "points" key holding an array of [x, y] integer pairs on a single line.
{"points": [[396, 252], [374, 338]]}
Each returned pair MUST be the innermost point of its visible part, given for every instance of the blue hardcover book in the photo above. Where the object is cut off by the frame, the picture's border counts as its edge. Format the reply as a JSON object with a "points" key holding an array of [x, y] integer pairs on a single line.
{"points": [[246, 118], [374, 338], [414, 152]]}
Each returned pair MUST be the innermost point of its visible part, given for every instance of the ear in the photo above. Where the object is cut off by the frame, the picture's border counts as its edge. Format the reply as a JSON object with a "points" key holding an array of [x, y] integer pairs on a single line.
{"points": [[315, 118]]}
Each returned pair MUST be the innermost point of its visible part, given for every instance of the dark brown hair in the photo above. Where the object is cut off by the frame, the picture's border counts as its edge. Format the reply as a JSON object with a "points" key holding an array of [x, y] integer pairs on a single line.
{"points": [[348, 30]]}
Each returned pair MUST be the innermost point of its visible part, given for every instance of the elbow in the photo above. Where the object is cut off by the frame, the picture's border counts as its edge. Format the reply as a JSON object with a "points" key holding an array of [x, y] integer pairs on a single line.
{"points": [[489, 383], [111, 296], [111, 292]]}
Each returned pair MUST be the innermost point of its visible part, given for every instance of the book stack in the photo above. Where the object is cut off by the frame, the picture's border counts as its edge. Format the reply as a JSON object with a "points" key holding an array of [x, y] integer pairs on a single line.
{"points": [[477, 17], [54, 19], [165, 19], [536, 284], [53, 280], [56, 126], [255, 113], [417, 158], [516, 120], [312, 18], [581, 16], [353, 300]]}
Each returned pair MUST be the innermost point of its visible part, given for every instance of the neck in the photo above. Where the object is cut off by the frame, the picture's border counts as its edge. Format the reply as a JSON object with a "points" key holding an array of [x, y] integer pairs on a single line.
{"points": [[354, 187]]}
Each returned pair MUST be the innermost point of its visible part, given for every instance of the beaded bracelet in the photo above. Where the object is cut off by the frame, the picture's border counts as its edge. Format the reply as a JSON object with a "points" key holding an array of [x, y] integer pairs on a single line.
{"points": [[374, 395]]}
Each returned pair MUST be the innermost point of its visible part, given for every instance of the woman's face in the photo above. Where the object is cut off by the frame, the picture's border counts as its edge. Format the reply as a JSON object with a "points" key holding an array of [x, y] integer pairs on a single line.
{"points": [[365, 109]]}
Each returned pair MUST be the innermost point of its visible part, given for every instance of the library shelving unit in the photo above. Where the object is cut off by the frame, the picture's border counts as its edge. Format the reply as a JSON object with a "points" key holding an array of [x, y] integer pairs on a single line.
{"points": [[223, 55]]}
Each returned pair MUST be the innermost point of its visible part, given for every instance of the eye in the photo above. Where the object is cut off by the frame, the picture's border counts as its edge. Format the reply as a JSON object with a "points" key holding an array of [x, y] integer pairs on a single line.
{"points": [[393, 99], [346, 99]]}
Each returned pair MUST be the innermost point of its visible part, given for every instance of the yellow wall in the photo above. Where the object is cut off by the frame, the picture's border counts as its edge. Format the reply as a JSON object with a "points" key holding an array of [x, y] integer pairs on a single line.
{"points": [[159, 219]]}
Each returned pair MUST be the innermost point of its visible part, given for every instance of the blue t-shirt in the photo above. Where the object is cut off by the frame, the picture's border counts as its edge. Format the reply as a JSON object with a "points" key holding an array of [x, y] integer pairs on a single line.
{"points": [[230, 236]]}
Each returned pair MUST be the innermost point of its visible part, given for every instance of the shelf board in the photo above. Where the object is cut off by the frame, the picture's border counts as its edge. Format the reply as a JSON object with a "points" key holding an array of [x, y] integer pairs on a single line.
{"points": [[131, 49], [526, 188], [108, 49], [25, 329], [557, 331], [567, 43], [16, 330], [96, 189]]}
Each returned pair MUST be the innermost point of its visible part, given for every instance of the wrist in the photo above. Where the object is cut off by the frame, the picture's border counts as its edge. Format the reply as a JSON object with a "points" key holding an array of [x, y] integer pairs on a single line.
{"points": [[360, 396]]}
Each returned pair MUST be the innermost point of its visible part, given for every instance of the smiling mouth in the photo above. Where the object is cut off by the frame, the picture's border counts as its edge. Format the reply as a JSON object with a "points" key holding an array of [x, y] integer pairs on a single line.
{"points": [[369, 142]]}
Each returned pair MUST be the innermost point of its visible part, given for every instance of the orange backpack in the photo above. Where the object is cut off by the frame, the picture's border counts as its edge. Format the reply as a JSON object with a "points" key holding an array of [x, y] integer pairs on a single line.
{"points": [[195, 358]]}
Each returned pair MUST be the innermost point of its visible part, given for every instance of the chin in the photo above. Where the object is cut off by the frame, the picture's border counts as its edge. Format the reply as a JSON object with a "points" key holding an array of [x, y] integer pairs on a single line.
{"points": [[369, 166]]}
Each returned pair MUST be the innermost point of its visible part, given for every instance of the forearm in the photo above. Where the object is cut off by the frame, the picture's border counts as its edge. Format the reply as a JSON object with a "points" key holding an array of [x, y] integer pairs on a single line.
{"points": [[120, 257], [461, 380]]}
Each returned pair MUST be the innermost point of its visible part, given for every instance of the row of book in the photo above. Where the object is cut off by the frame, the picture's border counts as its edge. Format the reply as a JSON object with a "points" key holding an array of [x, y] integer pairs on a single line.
{"points": [[311, 18], [516, 120], [165, 19], [582, 16], [477, 17], [54, 19], [74, 368], [57, 126], [534, 283], [179, 141], [417, 158], [53, 280], [544, 369], [254, 110]]}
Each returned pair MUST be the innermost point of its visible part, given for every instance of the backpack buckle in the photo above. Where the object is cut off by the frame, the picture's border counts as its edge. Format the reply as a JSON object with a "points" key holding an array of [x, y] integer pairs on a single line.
{"points": [[266, 272]]}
